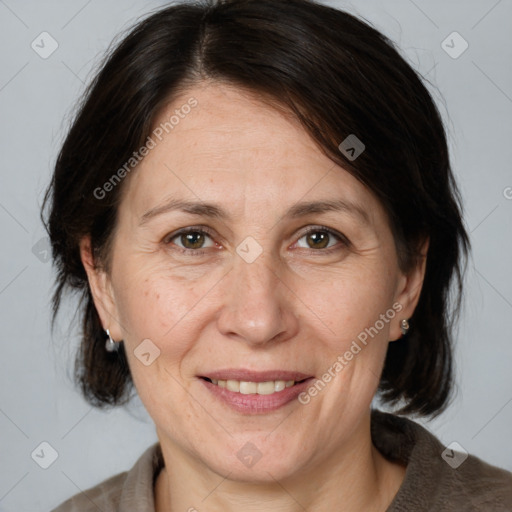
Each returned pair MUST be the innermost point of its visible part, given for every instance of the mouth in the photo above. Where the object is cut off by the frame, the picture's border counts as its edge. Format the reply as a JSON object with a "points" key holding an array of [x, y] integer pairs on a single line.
{"points": [[251, 392], [245, 387]]}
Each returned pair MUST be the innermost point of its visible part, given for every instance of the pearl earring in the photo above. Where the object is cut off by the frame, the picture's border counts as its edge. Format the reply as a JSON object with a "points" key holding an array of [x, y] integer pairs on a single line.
{"points": [[404, 326], [110, 344]]}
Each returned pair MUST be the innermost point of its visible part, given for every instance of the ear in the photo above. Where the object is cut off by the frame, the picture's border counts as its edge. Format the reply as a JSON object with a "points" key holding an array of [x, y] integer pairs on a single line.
{"points": [[408, 291], [101, 290]]}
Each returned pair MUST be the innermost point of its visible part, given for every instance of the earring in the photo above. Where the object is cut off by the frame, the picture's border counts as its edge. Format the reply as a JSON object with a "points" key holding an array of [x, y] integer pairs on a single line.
{"points": [[110, 344], [404, 326]]}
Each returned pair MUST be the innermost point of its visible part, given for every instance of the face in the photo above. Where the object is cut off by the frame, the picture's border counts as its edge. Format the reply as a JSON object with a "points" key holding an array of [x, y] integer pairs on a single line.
{"points": [[242, 253]]}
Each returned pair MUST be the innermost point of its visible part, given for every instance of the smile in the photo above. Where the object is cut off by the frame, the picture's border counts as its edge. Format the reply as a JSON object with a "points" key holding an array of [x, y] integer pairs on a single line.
{"points": [[249, 392], [253, 388]]}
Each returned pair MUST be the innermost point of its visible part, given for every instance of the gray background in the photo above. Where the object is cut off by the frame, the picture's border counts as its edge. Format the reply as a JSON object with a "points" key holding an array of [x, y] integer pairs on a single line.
{"points": [[37, 399]]}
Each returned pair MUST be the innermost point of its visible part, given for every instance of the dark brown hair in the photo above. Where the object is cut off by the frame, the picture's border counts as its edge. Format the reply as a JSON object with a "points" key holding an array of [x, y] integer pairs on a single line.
{"points": [[338, 76]]}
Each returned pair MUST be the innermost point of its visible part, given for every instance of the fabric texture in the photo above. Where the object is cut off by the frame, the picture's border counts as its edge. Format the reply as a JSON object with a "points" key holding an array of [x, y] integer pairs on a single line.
{"points": [[430, 483]]}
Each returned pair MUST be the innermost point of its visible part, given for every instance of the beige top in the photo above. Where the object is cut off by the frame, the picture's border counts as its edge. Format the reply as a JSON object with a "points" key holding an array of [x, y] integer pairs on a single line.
{"points": [[430, 484]]}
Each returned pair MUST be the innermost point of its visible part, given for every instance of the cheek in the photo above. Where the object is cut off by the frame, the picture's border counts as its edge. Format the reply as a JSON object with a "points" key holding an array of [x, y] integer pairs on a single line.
{"points": [[153, 306], [168, 310], [350, 300], [153, 301]]}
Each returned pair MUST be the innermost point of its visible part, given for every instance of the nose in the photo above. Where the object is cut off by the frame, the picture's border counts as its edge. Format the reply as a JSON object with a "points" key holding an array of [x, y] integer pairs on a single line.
{"points": [[257, 305]]}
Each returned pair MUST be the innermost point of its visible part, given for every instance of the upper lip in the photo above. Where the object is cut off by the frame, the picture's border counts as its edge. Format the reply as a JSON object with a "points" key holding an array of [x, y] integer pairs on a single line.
{"points": [[241, 374]]}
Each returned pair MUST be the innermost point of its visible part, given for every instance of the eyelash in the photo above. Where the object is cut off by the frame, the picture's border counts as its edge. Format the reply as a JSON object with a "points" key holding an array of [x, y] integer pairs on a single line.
{"points": [[207, 231]]}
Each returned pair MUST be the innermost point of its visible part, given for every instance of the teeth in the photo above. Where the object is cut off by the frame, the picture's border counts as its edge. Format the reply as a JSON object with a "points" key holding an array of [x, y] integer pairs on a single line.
{"points": [[254, 388], [233, 385]]}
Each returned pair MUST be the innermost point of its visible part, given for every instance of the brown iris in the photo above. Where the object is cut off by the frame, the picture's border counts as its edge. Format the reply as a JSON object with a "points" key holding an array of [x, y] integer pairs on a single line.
{"points": [[320, 239], [195, 239]]}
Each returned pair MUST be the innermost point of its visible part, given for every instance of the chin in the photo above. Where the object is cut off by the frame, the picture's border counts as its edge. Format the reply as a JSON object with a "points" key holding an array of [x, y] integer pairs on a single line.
{"points": [[252, 458]]}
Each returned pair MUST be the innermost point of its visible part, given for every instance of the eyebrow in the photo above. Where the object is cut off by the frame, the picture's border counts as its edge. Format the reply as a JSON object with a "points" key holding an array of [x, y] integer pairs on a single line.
{"points": [[298, 210]]}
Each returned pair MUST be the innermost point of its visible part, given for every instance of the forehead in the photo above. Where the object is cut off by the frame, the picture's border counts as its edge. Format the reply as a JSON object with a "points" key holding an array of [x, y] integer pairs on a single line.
{"points": [[228, 126], [236, 149]]}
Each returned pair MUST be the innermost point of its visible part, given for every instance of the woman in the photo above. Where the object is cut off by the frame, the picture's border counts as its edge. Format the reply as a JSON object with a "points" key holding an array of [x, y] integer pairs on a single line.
{"points": [[256, 202]]}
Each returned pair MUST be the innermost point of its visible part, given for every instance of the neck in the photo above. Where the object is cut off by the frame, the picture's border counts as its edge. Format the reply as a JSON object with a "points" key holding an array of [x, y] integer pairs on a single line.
{"points": [[356, 477]]}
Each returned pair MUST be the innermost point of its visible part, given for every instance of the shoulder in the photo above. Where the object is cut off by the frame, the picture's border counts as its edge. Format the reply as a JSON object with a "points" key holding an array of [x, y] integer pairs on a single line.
{"points": [[438, 478], [482, 485], [130, 490], [104, 497]]}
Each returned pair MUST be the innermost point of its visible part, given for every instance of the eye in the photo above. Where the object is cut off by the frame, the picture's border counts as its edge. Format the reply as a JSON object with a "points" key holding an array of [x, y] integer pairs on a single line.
{"points": [[321, 238], [191, 240]]}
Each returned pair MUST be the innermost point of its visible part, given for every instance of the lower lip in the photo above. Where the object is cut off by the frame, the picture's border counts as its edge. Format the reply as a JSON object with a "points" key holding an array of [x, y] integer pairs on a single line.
{"points": [[254, 403]]}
